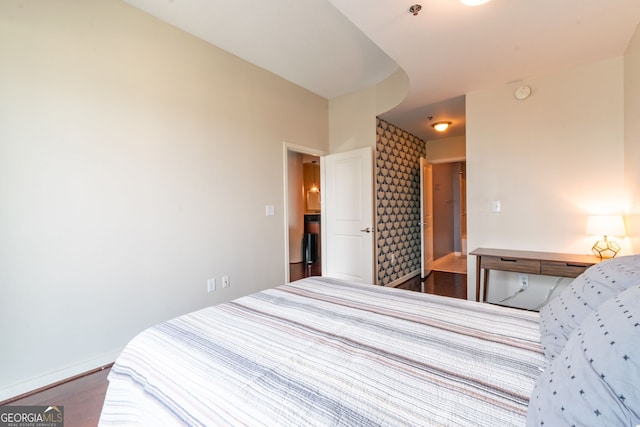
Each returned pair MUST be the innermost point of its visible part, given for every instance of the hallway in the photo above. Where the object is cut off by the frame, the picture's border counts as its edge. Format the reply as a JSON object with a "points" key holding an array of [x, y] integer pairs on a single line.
{"points": [[451, 263]]}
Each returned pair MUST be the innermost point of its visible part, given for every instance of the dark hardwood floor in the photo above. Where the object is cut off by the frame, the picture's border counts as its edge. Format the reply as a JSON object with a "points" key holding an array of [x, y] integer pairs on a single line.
{"points": [[300, 270], [439, 283], [82, 397]]}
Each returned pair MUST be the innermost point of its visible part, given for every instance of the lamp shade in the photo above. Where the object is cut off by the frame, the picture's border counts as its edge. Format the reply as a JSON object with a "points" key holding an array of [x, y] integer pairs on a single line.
{"points": [[606, 225]]}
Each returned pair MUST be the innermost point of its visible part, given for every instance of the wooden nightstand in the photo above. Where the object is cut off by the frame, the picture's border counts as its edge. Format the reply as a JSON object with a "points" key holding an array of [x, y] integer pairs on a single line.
{"points": [[543, 263]]}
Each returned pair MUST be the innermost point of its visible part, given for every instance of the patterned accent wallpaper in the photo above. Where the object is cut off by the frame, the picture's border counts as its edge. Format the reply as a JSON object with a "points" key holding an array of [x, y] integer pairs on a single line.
{"points": [[397, 201]]}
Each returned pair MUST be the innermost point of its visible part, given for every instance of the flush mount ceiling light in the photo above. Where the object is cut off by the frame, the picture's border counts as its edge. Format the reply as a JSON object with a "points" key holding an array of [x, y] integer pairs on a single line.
{"points": [[441, 126], [474, 2]]}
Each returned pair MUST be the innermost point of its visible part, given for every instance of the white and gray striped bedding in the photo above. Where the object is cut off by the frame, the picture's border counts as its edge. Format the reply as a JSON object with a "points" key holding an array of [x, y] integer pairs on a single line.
{"points": [[327, 352]]}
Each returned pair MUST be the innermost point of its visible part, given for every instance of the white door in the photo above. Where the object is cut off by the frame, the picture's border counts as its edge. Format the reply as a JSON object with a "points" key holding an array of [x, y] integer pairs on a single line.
{"points": [[463, 207], [426, 212], [348, 242]]}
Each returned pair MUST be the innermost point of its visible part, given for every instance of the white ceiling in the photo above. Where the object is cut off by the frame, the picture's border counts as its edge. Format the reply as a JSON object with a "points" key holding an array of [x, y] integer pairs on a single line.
{"points": [[333, 47]]}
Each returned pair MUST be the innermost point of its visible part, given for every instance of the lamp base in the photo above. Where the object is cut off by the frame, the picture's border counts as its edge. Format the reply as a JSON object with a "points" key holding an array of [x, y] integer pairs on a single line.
{"points": [[605, 248]]}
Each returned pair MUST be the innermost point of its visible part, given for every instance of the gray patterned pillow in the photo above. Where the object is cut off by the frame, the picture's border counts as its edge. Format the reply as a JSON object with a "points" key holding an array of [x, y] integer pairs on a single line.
{"points": [[595, 380], [596, 285]]}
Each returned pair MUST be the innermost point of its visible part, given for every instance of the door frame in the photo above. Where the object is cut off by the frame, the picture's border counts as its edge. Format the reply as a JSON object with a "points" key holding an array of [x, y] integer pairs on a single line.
{"points": [[295, 148], [426, 224], [460, 159]]}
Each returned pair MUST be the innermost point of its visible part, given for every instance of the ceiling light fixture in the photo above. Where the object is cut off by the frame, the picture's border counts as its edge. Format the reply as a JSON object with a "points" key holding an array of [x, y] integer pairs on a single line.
{"points": [[441, 126], [474, 2], [415, 9]]}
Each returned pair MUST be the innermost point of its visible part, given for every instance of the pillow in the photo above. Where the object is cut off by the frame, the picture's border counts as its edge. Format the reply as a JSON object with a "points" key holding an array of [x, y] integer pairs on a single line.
{"points": [[595, 380], [593, 287]]}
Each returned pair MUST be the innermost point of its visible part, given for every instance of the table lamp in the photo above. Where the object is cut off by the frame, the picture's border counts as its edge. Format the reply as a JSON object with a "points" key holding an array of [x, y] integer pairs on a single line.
{"points": [[606, 226]]}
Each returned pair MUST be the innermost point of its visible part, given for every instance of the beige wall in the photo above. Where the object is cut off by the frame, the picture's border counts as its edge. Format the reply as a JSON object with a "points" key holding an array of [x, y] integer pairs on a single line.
{"points": [[632, 138], [446, 149], [551, 160], [352, 117], [352, 121], [135, 163], [391, 91]]}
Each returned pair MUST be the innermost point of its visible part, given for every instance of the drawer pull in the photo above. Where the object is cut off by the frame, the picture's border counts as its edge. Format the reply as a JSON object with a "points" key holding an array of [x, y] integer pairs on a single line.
{"points": [[576, 265], [508, 259]]}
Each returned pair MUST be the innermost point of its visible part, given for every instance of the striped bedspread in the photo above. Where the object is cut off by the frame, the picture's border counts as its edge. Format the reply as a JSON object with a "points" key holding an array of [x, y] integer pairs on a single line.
{"points": [[326, 352]]}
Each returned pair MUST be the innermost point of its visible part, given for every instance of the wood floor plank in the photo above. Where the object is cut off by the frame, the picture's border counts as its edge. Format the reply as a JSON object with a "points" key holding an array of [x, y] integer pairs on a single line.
{"points": [[439, 283], [82, 399]]}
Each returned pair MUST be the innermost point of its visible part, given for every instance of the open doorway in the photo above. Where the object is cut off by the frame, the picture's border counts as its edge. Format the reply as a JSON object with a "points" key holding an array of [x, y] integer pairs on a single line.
{"points": [[449, 217], [343, 222], [304, 192]]}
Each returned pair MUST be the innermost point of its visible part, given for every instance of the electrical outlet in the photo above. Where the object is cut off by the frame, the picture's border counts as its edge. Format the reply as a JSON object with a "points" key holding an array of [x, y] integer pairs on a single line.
{"points": [[225, 281], [523, 279], [211, 285]]}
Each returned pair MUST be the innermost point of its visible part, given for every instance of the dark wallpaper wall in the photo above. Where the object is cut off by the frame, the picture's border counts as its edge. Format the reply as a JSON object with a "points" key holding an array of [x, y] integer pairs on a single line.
{"points": [[397, 201]]}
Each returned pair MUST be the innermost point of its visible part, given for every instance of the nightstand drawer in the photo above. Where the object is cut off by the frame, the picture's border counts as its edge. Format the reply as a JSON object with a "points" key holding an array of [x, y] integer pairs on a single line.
{"points": [[511, 264], [563, 269], [543, 263]]}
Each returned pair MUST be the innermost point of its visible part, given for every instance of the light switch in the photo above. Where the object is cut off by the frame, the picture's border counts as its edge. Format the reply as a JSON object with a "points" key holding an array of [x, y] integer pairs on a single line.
{"points": [[270, 210], [496, 206]]}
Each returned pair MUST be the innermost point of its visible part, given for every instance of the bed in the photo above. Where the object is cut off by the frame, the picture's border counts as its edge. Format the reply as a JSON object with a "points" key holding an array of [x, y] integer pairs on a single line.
{"points": [[322, 351]]}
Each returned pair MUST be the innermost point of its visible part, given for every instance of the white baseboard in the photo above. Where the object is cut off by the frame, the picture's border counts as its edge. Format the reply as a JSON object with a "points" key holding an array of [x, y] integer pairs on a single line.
{"points": [[30, 384]]}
